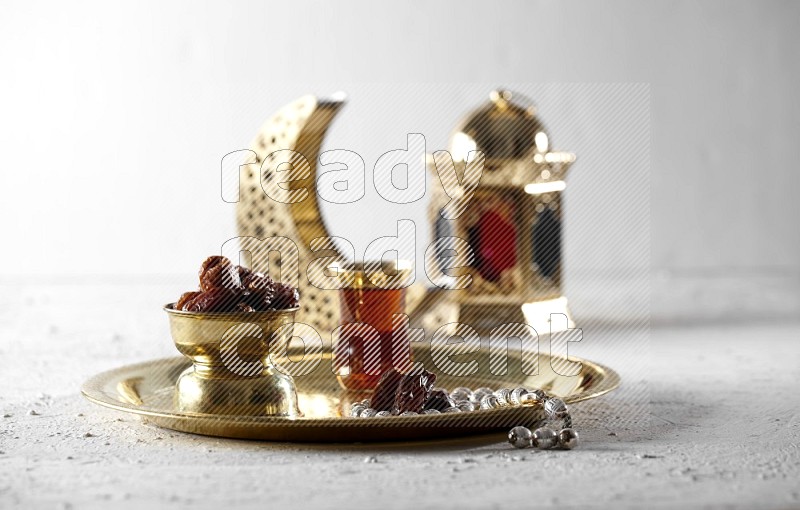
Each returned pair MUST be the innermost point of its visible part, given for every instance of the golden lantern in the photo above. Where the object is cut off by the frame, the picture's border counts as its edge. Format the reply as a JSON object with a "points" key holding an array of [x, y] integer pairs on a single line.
{"points": [[512, 223]]}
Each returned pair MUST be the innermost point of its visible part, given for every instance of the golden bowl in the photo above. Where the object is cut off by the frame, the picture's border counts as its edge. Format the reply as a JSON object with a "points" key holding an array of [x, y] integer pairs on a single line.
{"points": [[231, 372]]}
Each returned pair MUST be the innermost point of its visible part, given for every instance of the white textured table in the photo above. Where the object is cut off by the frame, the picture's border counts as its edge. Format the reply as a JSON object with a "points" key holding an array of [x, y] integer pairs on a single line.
{"points": [[722, 429]]}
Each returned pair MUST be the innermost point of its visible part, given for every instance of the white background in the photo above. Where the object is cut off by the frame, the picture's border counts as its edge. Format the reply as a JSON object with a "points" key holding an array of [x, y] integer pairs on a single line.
{"points": [[113, 119]]}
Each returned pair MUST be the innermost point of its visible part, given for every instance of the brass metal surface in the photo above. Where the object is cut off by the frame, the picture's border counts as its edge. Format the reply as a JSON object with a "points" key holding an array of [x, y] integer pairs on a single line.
{"points": [[522, 183], [231, 371], [299, 126], [148, 389], [506, 128]]}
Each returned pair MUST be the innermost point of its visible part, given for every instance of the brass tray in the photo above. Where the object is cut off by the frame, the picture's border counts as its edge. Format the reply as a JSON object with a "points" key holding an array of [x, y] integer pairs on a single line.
{"points": [[148, 389]]}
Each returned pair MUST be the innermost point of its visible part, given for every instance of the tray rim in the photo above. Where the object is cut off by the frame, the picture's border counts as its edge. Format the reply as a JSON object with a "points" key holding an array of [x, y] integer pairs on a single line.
{"points": [[92, 391]]}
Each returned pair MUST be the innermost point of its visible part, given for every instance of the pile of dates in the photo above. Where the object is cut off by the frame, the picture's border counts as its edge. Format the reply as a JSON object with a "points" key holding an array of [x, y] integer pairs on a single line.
{"points": [[406, 394], [228, 288]]}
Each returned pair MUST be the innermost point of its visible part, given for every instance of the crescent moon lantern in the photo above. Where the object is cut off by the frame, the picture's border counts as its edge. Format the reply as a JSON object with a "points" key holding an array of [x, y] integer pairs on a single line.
{"points": [[300, 126]]}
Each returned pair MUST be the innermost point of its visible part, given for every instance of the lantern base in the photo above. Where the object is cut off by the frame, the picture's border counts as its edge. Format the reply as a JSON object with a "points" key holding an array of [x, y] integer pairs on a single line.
{"points": [[438, 308]]}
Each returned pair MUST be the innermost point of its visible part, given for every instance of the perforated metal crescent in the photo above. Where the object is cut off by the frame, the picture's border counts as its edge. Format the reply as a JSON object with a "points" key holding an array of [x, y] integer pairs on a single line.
{"points": [[300, 126]]}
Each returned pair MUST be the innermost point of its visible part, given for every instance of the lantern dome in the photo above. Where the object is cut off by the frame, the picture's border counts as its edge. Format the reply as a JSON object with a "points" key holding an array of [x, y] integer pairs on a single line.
{"points": [[505, 129]]}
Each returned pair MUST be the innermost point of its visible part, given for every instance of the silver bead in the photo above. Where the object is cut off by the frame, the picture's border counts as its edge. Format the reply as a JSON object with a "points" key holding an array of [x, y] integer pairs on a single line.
{"points": [[383, 414], [368, 413], [555, 408], [461, 394], [409, 413], [356, 410], [520, 437], [466, 407], [431, 411], [516, 394], [503, 396], [541, 393], [544, 438], [453, 409], [489, 402], [568, 438], [479, 394], [532, 398], [365, 402]]}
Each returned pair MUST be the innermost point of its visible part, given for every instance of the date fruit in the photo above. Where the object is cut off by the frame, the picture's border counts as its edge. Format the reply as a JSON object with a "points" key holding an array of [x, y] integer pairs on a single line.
{"points": [[185, 298], [218, 272], [228, 288], [413, 391], [439, 400], [285, 296], [385, 391], [214, 300]]}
